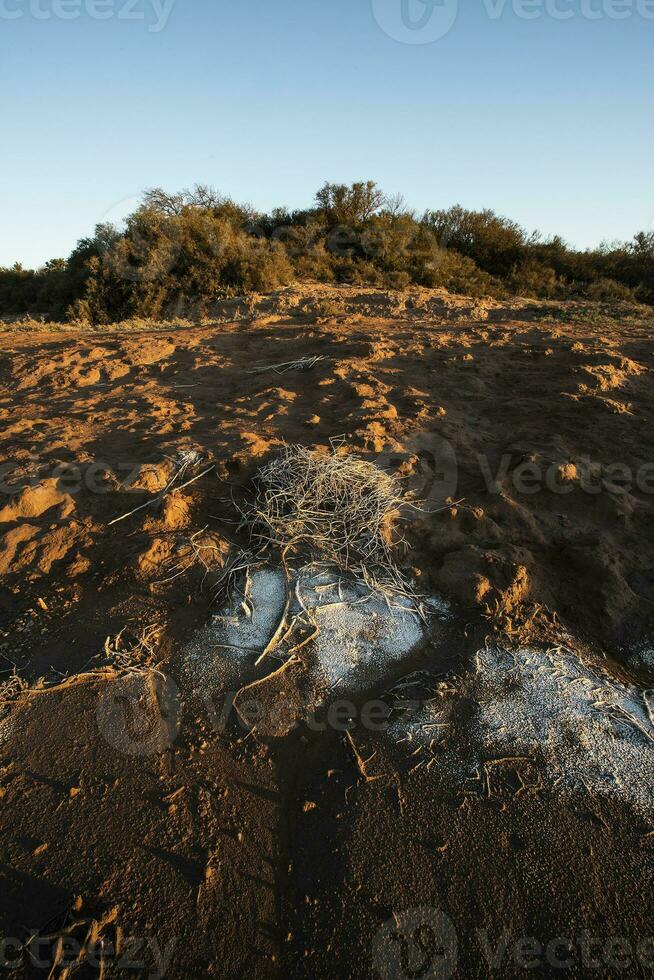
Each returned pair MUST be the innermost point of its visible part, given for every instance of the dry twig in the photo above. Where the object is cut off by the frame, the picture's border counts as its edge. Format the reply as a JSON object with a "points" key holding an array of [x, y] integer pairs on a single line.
{"points": [[183, 463], [300, 364]]}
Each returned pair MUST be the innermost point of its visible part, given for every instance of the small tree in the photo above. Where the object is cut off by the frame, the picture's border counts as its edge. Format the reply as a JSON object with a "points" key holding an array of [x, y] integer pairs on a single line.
{"points": [[354, 205]]}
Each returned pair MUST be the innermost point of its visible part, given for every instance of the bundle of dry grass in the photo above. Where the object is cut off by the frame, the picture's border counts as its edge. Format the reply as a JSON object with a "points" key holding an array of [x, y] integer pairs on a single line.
{"points": [[10, 690], [338, 508]]}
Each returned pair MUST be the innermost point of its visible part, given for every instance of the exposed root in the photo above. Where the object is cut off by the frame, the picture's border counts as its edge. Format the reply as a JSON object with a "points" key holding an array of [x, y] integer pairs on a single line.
{"points": [[127, 657], [275, 638], [362, 764], [121, 659], [301, 364], [96, 950], [184, 463], [262, 680]]}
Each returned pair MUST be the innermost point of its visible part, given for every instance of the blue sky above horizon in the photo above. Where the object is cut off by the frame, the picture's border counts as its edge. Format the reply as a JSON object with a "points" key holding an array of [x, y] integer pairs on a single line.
{"points": [[547, 121]]}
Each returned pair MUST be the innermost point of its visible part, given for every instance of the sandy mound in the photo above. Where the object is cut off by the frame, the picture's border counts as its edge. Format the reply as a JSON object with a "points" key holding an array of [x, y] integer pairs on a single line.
{"points": [[35, 501]]}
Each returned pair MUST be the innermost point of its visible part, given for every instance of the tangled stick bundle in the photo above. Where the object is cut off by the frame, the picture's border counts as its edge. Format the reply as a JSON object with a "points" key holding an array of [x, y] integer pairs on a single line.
{"points": [[338, 508], [11, 689]]}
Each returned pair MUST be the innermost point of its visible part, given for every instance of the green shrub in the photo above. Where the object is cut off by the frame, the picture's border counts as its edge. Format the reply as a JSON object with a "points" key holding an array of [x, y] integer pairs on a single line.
{"points": [[494, 243], [608, 290], [459, 274], [198, 246], [533, 278]]}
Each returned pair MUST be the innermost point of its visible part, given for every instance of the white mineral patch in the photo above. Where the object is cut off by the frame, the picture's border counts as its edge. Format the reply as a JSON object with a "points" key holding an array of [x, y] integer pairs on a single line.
{"points": [[643, 656], [251, 620], [359, 635], [218, 654], [592, 734]]}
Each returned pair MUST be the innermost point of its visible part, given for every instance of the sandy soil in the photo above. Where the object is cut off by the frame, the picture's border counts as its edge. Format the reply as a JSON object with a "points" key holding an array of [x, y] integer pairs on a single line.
{"points": [[286, 851]]}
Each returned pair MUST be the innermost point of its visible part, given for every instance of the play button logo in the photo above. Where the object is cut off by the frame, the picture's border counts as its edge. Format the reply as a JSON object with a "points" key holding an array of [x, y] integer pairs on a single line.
{"points": [[416, 21], [419, 944]]}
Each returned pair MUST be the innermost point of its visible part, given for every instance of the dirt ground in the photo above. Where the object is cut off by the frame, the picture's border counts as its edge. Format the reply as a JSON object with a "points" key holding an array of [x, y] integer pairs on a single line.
{"points": [[526, 428]]}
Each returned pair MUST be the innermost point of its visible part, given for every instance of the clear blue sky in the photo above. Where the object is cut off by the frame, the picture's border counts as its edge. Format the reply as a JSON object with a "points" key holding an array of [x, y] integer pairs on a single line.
{"points": [[547, 121]]}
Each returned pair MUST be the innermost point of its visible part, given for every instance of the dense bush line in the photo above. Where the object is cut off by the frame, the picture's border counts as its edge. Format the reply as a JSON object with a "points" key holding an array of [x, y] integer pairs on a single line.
{"points": [[196, 247]]}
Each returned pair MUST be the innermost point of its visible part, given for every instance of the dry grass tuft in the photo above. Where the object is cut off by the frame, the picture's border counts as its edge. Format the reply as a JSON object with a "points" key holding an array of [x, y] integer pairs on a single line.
{"points": [[339, 509], [11, 689], [132, 656]]}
